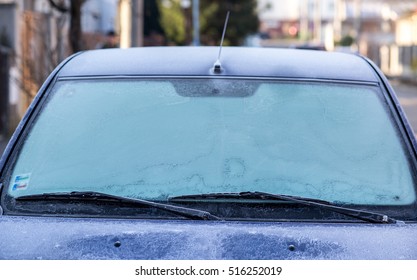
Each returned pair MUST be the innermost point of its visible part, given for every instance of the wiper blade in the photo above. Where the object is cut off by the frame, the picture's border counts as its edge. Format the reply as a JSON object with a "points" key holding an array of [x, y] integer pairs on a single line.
{"points": [[98, 196], [242, 196], [359, 214]]}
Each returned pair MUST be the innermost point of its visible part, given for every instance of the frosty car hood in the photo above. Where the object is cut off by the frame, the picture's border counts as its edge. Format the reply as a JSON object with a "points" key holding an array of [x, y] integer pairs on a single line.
{"points": [[64, 238]]}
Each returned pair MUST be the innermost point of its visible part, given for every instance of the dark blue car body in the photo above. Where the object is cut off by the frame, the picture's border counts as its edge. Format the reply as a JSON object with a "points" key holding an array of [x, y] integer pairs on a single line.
{"points": [[45, 236]]}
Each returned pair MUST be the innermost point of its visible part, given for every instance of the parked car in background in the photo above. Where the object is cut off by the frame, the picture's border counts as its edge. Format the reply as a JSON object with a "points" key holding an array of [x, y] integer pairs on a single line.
{"points": [[317, 47], [169, 153]]}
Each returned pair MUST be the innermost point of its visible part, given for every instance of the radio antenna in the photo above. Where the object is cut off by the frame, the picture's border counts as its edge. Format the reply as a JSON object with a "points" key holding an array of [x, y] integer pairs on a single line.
{"points": [[217, 64]]}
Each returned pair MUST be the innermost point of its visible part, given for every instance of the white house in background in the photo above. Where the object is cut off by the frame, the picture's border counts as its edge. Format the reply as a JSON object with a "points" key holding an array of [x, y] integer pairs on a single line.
{"points": [[405, 47], [99, 16], [313, 21], [406, 29], [326, 21]]}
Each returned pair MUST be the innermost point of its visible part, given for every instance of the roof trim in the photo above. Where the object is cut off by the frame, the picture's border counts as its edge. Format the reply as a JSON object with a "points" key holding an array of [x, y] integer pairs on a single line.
{"points": [[281, 79], [236, 61]]}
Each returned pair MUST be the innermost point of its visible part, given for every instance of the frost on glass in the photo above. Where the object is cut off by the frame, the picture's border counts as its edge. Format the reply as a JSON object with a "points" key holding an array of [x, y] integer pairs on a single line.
{"points": [[155, 139]]}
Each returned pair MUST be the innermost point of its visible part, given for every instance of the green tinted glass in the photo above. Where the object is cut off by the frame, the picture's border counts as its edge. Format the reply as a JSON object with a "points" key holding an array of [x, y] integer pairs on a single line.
{"points": [[159, 138]]}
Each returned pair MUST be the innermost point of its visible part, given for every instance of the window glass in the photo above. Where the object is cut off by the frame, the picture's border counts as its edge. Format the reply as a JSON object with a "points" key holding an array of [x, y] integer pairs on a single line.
{"points": [[159, 138]]}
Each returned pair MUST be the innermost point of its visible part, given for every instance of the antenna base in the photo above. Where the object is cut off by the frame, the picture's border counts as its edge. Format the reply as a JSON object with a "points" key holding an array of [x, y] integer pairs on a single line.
{"points": [[217, 67]]}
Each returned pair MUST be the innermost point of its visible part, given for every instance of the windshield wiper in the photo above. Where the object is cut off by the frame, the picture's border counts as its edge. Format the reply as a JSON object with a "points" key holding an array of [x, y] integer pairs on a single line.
{"points": [[98, 196], [359, 214]]}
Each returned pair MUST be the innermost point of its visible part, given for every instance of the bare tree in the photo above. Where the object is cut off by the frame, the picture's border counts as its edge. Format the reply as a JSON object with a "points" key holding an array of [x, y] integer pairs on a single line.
{"points": [[74, 10], [42, 44], [45, 40], [42, 48]]}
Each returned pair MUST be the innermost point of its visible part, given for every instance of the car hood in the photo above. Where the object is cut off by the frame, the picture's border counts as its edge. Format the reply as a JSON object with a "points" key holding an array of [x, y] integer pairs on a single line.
{"points": [[79, 238]]}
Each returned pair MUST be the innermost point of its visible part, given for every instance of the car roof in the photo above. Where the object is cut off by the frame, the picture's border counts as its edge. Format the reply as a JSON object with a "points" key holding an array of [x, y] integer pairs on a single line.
{"points": [[236, 61]]}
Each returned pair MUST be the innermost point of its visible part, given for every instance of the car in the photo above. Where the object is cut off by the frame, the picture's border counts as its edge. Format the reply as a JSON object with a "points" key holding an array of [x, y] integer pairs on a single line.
{"points": [[317, 47], [207, 153]]}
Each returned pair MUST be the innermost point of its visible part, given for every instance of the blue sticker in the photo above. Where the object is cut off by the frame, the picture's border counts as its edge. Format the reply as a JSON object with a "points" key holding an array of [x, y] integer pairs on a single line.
{"points": [[21, 182]]}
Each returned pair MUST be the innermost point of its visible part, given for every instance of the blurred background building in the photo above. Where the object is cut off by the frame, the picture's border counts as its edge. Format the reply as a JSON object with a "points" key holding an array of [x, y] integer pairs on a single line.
{"points": [[35, 35], [383, 30]]}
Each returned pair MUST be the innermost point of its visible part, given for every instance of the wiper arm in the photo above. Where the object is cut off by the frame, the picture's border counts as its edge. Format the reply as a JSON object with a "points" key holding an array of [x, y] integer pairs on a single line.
{"points": [[98, 196], [359, 214], [241, 196]]}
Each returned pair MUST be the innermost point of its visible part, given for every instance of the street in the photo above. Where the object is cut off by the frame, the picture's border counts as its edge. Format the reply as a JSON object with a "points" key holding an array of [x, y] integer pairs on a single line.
{"points": [[407, 94]]}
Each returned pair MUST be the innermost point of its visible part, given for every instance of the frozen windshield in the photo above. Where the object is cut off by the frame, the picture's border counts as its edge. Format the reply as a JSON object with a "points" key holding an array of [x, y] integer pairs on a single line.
{"points": [[155, 139]]}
